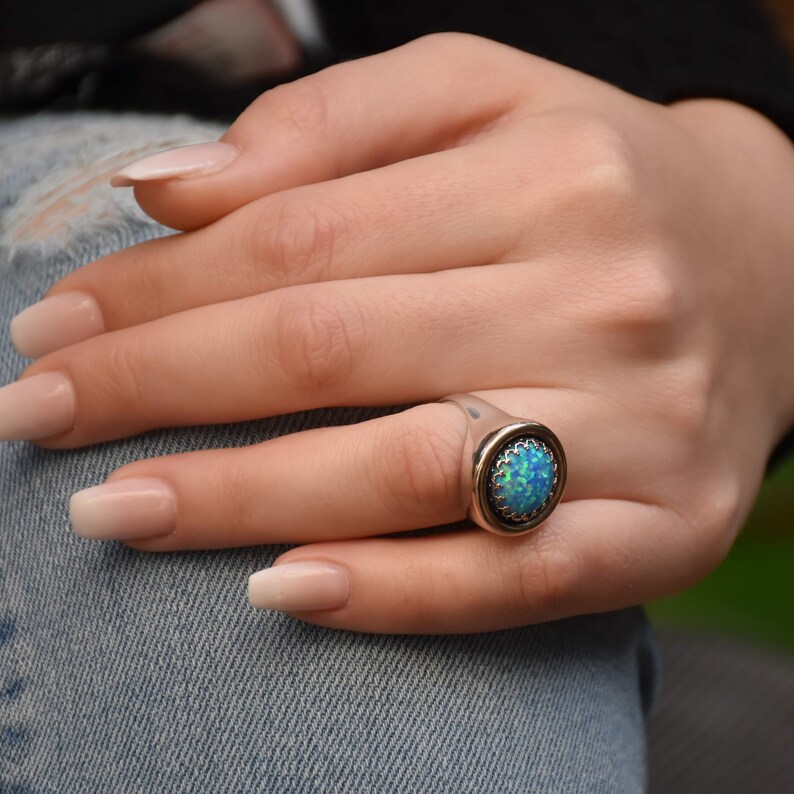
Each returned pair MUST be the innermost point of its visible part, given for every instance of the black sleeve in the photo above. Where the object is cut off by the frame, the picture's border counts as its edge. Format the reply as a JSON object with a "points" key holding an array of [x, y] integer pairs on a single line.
{"points": [[30, 23], [663, 50]]}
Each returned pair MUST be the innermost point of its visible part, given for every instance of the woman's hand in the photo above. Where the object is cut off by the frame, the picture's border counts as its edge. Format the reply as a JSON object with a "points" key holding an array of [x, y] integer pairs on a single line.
{"points": [[454, 215]]}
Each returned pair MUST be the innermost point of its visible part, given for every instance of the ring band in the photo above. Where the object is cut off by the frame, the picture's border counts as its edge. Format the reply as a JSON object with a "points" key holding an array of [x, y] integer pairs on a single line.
{"points": [[514, 468]]}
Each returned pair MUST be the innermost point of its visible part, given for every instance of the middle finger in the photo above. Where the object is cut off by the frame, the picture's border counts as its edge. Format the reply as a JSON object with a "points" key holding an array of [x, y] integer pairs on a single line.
{"points": [[374, 341]]}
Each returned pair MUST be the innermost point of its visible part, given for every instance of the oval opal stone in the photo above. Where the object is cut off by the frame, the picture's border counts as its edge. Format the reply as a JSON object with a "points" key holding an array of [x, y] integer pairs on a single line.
{"points": [[521, 478]]}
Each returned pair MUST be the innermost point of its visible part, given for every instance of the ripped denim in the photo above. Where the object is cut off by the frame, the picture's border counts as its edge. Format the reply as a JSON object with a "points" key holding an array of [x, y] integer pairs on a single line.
{"points": [[128, 672]]}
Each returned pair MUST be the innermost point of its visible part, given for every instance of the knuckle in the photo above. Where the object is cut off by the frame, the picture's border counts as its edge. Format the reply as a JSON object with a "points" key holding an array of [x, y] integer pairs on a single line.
{"points": [[648, 300], [232, 491], [652, 296], [416, 596], [298, 242], [419, 471], [545, 577], [319, 338], [117, 374], [451, 41], [706, 528], [303, 106], [721, 512], [689, 409], [150, 285], [470, 56], [605, 161]]}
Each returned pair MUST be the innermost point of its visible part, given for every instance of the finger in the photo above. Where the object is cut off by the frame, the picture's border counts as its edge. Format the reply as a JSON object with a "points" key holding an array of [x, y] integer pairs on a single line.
{"points": [[588, 556], [351, 117], [379, 341], [461, 207], [389, 474]]}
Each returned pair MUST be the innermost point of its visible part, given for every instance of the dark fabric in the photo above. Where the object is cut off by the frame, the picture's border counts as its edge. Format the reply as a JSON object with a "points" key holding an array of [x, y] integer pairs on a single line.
{"points": [[27, 23], [725, 717], [659, 49], [662, 50]]}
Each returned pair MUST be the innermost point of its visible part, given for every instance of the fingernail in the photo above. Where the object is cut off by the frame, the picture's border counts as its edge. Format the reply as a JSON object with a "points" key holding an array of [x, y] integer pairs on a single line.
{"points": [[198, 159], [37, 407], [54, 323], [299, 587], [141, 507]]}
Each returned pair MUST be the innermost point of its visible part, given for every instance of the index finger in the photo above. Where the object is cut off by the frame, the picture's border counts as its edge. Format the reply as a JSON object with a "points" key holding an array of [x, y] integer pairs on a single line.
{"points": [[348, 118]]}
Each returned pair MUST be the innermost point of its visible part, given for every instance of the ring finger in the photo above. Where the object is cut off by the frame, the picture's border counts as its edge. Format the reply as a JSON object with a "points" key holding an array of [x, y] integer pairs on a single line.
{"points": [[385, 475]]}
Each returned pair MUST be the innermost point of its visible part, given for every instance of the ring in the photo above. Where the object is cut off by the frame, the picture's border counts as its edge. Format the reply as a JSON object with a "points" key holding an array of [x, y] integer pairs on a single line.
{"points": [[514, 468]]}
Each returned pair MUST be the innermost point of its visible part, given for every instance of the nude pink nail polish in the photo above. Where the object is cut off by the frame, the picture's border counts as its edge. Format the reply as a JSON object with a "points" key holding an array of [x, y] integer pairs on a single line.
{"points": [[138, 507], [299, 587], [197, 159], [54, 323], [37, 407]]}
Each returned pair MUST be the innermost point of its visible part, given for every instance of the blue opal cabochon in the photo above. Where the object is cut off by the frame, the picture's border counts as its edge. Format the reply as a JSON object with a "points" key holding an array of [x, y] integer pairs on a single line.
{"points": [[521, 479]]}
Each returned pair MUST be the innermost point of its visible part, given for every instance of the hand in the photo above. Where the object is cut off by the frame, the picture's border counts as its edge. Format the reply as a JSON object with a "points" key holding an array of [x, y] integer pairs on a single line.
{"points": [[453, 215]]}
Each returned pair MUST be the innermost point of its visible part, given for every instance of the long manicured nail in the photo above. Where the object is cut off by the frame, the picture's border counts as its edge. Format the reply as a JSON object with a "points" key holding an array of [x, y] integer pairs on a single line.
{"points": [[198, 159], [299, 587], [37, 407], [140, 507], [56, 322]]}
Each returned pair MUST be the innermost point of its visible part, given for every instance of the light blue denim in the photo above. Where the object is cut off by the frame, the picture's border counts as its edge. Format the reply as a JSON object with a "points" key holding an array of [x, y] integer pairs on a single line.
{"points": [[127, 672]]}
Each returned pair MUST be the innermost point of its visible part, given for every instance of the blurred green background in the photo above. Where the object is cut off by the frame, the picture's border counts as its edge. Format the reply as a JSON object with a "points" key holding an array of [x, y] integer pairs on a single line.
{"points": [[751, 593]]}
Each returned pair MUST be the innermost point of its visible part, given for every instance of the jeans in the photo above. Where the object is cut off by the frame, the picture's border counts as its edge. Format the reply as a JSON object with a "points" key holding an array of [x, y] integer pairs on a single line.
{"points": [[129, 672]]}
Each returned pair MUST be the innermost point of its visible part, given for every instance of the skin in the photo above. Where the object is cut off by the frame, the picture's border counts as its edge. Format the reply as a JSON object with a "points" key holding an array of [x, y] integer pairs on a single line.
{"points": [[618, 270]]}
